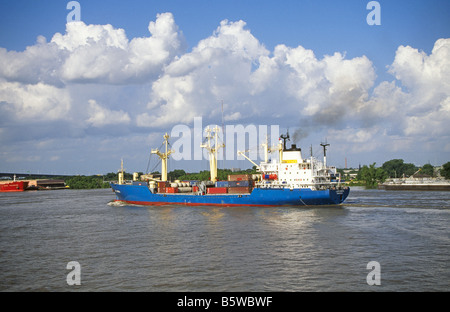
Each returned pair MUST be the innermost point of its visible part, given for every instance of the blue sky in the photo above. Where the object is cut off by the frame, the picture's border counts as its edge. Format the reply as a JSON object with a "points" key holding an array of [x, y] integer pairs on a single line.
{"points": [[322, 27], [326, 26]]}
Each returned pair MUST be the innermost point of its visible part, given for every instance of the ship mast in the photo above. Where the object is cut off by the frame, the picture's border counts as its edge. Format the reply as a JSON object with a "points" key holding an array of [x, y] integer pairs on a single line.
{"points": [[164, 157], [282, 147], [324, 145], [121, 173], [213, 150], [268, 149]]}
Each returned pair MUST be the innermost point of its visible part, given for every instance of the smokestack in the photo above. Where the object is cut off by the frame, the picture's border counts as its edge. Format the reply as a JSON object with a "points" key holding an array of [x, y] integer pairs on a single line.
{"points": [[324, 145]]}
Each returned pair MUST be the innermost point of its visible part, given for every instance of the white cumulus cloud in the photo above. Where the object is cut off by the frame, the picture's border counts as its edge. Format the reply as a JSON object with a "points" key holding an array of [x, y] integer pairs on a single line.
{"points": [[100, 116], [219, 67], [95, 54], [30, 102], [232, 65], [422, 105]]}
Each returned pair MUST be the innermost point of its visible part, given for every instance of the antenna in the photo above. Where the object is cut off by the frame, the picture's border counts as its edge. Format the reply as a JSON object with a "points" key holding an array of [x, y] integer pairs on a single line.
{"points": [[222, 116], [223, 135]]}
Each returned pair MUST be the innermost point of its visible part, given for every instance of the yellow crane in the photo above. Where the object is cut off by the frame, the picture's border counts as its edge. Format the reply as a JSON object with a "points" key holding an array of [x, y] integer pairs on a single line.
{"points": [[268, 149], [121, 173], [164, 157], [213, 150]]}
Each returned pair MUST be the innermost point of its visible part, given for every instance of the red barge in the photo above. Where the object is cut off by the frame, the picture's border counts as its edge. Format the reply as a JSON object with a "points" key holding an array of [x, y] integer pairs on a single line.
{"points": [[14, 186]]}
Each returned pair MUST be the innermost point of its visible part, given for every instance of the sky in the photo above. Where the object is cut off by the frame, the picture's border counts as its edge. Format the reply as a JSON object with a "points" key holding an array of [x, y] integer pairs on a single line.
{"points": [[77, 97]]}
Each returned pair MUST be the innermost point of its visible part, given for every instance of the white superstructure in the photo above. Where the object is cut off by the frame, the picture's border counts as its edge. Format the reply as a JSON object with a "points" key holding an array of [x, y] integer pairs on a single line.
{"points": [[293, 171]]}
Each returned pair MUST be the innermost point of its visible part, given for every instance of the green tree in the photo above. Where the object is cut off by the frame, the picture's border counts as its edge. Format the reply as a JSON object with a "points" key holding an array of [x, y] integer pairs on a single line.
{"points": [[111, 176], [176, 174], [371, 175], [428, 170], [200, 176], [409, 169], [86, 182], [445, 171], [393, 167], [396, 168], [222, 174]]}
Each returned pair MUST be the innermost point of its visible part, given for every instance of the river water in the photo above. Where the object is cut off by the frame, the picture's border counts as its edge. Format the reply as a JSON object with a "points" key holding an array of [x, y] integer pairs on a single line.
{"points": [[186, 249]]}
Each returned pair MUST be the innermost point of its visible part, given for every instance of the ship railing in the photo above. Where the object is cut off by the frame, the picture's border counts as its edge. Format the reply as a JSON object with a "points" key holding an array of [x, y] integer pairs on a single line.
{"points": [[317, 185], [270, 185]]}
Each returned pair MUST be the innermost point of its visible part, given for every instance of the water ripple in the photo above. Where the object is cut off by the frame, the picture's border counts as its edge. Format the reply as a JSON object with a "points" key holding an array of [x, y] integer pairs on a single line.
{"points": [[134, 248]]}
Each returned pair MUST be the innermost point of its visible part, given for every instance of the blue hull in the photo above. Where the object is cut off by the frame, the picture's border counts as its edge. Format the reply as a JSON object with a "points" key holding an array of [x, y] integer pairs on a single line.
{"points": [[141, 195]]}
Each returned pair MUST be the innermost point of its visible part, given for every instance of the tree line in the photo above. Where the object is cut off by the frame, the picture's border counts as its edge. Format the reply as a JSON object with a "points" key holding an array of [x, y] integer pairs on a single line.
{"points": [[370, 175], [102, 181], [87, 182], [397, 168]]}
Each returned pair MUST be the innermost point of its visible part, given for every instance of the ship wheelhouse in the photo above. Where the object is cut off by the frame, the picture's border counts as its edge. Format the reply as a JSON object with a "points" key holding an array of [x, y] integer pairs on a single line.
{"points": [[293, 171]]}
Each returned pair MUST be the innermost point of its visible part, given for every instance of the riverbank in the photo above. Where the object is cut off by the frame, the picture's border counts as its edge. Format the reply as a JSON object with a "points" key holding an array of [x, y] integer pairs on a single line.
{"points": [[416, 184]]}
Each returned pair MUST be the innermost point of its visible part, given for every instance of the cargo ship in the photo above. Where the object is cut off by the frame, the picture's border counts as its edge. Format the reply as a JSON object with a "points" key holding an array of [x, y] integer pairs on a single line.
{"points": [[31, 185], [13, 186], [290, 180]]}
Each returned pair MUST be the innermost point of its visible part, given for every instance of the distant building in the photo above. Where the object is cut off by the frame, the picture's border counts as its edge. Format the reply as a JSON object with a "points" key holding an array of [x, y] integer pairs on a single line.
{"points": [[350, 174]]}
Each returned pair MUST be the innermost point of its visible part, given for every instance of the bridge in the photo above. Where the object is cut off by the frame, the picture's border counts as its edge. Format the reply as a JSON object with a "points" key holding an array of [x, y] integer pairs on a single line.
{"points": [[22, 176]]}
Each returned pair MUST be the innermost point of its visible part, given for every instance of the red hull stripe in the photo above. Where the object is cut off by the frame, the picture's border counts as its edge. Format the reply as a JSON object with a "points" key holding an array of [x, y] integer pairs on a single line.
{"points": [[188, 204]]}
